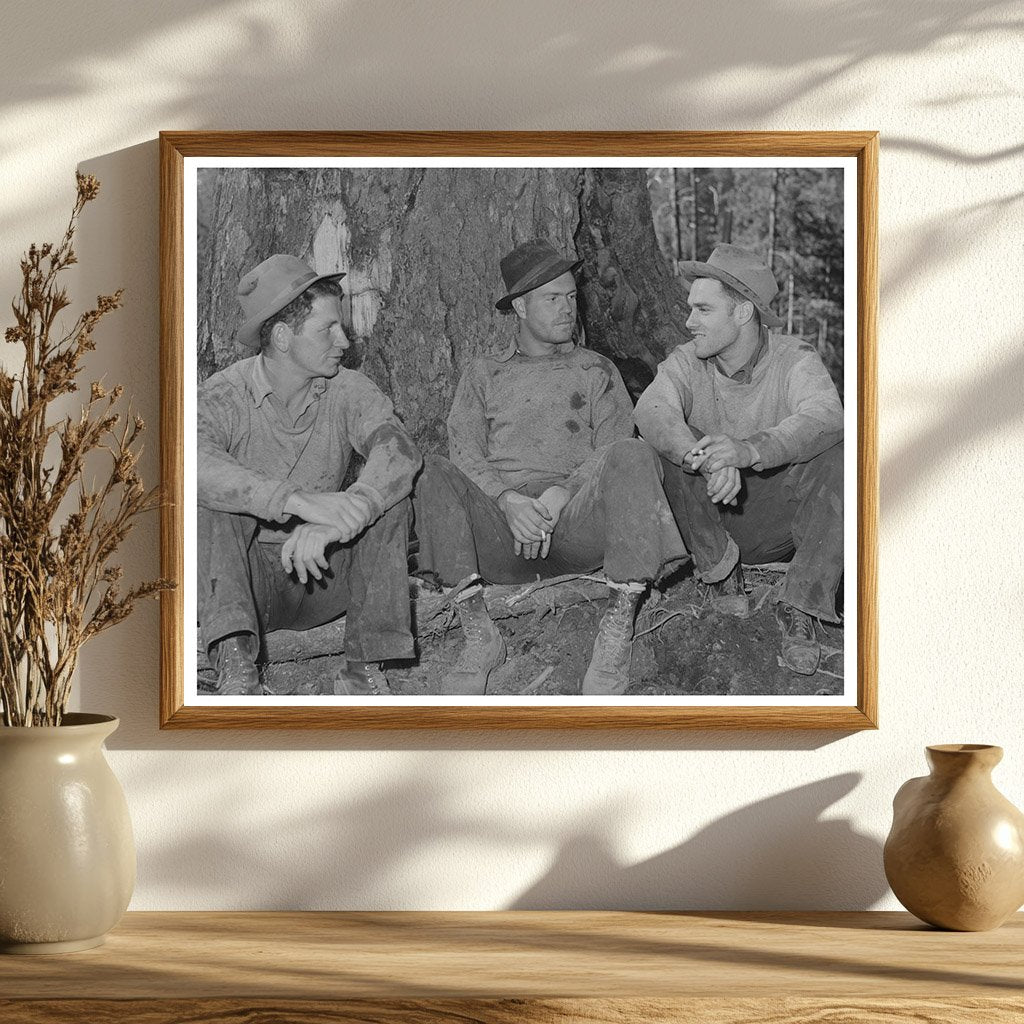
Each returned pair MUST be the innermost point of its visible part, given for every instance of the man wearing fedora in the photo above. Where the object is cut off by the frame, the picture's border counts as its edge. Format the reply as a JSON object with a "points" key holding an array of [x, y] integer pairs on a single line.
{"points": [[280, 544], [545, 478], [750, 430]]}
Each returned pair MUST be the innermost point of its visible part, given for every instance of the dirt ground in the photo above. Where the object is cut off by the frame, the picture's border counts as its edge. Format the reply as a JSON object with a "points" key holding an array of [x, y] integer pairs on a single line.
{"points": [[682, 647]]}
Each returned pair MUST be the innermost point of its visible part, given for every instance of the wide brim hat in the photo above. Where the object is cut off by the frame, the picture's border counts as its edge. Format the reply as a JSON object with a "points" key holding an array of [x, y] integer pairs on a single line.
{"points": [[529, 266], [742, 270], [268, 288]]}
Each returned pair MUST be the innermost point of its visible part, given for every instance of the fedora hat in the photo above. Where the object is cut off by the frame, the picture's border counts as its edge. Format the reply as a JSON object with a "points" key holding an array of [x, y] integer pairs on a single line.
{"points": [[742, 270], [268, 288], [530, 265]]}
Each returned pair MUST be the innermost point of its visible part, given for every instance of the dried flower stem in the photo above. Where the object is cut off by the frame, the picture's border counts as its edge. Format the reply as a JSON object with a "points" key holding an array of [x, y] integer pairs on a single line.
{"points": [[57, 588]]}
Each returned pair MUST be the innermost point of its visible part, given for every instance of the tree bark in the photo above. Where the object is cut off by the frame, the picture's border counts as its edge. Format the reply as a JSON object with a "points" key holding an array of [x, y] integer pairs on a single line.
{"points": [[421, 250]]}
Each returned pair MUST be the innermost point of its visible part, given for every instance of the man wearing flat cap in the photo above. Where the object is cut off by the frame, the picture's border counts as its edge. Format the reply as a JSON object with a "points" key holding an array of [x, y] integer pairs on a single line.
{"points": [[545, 478], [750, 430], [280, 544]]}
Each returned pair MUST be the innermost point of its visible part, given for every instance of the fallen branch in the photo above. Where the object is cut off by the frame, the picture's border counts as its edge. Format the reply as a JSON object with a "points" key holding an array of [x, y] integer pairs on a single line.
{"points": [[538, 682], [692, 609]]}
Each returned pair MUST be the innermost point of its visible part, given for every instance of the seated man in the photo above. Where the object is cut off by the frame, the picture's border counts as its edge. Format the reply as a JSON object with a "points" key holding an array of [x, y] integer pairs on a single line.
{"points": [[280, 545], [750, 430], [547, 478]]}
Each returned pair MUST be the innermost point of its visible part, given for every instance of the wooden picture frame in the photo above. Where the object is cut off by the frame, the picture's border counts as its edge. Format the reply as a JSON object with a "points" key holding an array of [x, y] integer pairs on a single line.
{"points": [[857, 152]]}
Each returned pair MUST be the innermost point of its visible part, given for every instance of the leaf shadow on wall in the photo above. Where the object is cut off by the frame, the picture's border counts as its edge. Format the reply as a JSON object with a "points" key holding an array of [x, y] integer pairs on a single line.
{"points": [[431, 848], [313, 64], [778, 853]]}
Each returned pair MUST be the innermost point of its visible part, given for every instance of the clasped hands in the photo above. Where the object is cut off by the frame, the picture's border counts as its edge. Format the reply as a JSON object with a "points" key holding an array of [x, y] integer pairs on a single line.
{"points": [[333, 518], [533, 520], [719, 459]]}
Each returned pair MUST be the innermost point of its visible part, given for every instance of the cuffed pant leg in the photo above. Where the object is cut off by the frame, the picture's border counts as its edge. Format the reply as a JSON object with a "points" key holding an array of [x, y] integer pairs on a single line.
{"points": [[700, 522], [817, 566], [620, 519], [443, 502], [228, 569], [462, 532], [795, 513], [368, 581]]}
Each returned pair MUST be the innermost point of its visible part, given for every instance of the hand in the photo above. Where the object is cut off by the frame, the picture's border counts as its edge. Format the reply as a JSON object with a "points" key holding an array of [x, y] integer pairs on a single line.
{"points": [[528, 519], [724, 485], [304, 551], [554, 499], [347, 512], [717, 451]]}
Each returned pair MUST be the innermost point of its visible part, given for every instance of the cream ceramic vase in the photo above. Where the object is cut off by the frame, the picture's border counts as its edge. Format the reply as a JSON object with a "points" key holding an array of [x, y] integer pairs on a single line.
{"points": [[67, 855], [955, 855]]}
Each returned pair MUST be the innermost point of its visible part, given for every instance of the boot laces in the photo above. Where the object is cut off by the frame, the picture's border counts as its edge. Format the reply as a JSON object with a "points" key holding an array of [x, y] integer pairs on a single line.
{"points": [[800, 625], [474, 631], [616, 629]]}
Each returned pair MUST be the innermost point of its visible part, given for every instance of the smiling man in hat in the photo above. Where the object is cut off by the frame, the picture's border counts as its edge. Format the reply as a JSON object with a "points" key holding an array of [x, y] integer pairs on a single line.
{"points": [[750, 429], [545, 478], [280, 544]]}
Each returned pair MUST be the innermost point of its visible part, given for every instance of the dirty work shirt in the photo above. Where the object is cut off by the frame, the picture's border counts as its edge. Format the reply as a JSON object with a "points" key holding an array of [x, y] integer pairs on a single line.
{"points": [[791, 505], [789, 410], [252, 457], [526, 423]]}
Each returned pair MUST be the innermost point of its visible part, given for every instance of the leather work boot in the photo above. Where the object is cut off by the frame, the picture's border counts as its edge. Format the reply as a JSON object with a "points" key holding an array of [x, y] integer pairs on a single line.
{"points": [[235, 659], [800, 648], [361, 679], [483, 653], [729, 596], [608, 671]]}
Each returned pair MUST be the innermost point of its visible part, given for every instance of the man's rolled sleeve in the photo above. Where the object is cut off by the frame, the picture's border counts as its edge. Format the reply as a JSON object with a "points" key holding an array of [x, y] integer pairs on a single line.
{"points": [[467, 435], [661, 413], [392, 460], [815, 425], [223, 483]]}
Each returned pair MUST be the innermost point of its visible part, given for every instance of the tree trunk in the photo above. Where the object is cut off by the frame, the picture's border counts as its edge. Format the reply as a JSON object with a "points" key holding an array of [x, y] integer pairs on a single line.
{"points": [[421, 248]]}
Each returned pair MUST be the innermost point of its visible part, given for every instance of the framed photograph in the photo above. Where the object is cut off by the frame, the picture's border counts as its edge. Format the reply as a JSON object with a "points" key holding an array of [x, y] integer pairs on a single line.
{"points": [[519, 430]]}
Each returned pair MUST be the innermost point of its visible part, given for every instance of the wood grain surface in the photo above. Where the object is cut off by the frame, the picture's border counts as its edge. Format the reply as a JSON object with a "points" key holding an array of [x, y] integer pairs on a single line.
{"points": [[515, 1011], [176, 146], [520, 954]]}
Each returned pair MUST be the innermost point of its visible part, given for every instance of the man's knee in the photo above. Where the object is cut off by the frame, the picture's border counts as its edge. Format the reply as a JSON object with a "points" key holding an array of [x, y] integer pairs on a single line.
{"points": [[631, 457], [828, 470], [213, 527], [439, 476]]}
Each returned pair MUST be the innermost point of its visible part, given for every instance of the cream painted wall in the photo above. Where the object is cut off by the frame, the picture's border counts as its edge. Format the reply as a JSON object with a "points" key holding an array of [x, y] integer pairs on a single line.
{"points": [[750, 820]]}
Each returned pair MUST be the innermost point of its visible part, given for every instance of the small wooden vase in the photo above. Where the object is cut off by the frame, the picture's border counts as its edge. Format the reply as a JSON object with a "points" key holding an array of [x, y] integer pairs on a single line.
{"points": [[955, 854]]}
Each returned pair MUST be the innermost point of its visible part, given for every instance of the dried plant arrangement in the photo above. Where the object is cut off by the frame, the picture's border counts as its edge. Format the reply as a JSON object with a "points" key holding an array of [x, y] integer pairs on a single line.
{"points": [[58, 532]]}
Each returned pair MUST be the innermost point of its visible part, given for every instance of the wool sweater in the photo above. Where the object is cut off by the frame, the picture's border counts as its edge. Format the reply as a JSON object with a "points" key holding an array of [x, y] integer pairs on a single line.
{"points": [[526, 423], [790, 410], [252, 456]]}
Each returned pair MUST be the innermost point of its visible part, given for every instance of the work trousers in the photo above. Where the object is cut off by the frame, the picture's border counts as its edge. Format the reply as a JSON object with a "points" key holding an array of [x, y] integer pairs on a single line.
{"points": [[791, 512], [618, 520], [244, 588]]}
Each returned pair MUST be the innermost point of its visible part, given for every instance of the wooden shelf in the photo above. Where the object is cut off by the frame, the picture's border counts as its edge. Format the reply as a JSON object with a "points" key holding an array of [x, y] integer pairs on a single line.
{"points": [[520, 966]]}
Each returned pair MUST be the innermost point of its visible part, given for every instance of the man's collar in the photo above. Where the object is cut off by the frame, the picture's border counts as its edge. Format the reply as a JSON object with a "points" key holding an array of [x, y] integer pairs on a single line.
{"points": [[260, 386], [744, 374], [512, 349]]}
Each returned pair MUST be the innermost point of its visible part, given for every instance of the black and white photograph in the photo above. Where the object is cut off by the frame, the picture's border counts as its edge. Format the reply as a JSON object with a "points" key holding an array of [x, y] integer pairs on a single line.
{"points": [[520, 432]]}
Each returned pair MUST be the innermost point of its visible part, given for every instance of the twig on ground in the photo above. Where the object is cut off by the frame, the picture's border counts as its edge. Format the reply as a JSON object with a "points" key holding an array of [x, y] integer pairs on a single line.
{"points": [[693, 610], [539, 681], [819, 672], [833, 675], [521, 595]]}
